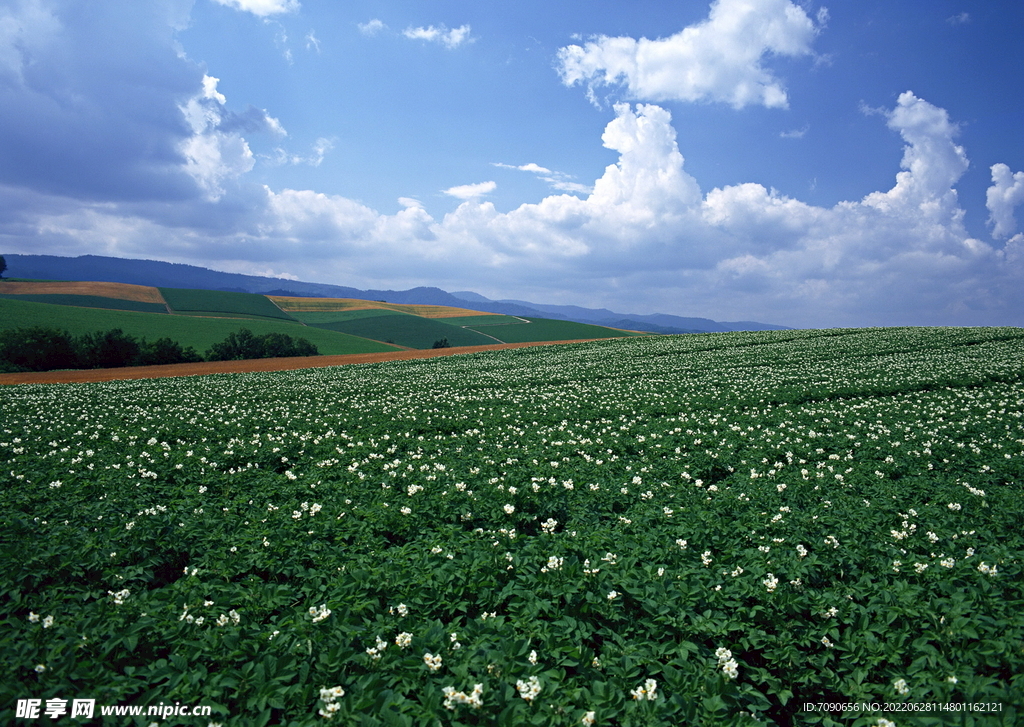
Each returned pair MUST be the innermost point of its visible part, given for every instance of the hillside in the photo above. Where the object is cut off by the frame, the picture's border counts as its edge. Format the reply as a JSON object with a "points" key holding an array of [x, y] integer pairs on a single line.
{"points": [[200, 318], [162, 274]]}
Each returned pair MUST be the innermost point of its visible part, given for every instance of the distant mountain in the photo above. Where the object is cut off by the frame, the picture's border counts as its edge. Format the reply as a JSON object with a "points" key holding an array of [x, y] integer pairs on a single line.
{"points": [[176, 275]]}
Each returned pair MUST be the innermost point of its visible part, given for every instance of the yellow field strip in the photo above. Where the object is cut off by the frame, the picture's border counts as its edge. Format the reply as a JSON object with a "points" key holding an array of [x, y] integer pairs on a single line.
{"points": [[332, 305], [119, 291]]}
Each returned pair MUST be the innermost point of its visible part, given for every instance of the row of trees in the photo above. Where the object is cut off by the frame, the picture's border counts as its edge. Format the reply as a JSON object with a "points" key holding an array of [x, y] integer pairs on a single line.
{"points": [[48, 349]]}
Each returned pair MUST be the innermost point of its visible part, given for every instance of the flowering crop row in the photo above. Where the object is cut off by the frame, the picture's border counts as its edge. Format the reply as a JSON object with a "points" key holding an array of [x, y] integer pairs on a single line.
{"points": [[709, 529]]}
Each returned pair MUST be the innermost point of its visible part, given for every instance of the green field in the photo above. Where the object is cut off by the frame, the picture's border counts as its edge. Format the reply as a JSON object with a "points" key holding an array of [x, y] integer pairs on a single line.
{"points": [[90, 301], [546, 329], [200, 333], [480, 321], [407, 330], [220, 302], [314, 318], [661, 531]]}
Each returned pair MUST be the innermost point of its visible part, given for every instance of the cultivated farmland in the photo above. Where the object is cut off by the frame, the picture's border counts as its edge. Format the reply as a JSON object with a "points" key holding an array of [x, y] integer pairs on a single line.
{"points": [[655, 531], [199, 332]]}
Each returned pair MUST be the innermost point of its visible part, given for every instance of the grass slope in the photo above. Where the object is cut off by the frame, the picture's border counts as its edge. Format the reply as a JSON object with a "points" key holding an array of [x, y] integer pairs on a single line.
{"points": [[409, 331], [545, 329], [221, 302], [90, 301], [200, 333]]}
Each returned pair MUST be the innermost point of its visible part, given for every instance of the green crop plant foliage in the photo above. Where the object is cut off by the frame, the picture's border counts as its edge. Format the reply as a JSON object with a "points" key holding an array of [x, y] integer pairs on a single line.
{"points": [[656, 531], [183, 300]]}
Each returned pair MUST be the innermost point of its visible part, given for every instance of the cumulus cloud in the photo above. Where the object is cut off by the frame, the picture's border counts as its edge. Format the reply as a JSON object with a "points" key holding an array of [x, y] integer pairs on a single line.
{"points": [[1006, 192], [262, 8], [162, 169], [471, 191], [449, 38], [719, 59], [371, 27]]}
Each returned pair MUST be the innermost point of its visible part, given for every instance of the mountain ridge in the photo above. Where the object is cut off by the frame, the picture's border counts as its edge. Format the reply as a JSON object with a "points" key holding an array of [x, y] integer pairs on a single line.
{"points": [[179, 275]]}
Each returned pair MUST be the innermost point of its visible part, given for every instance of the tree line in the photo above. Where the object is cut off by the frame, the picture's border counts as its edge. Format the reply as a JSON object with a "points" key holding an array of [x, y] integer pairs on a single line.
{"points": [[48, 349]]}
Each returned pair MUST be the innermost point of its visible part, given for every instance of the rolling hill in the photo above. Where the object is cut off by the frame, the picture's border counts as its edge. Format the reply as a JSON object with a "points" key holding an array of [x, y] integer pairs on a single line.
{"points": [[173, 275], [200, 318]]}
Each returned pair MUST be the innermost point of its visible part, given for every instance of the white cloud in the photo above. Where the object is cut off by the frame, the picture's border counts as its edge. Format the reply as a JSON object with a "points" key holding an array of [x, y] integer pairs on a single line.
{"points": [[471, 191], [449, 38], [959, 19], [319, 152], [1006, 192], [557, 180], [371, 27], [719, 59], [263, 8], [312, 42], [795, 133], [24, 31]]}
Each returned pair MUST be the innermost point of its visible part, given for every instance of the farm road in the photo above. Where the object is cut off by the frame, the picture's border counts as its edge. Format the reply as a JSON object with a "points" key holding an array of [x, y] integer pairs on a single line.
{"points": [[80, 376]]}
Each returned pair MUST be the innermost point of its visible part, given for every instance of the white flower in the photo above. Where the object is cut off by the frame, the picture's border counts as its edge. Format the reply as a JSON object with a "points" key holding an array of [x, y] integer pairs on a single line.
{"points": [[825, 641], [406, 510], [529, 689], [452, 698], [509, 509], [727, 664], [33, 617], [403, 639], [319, 614], [771, 582], [554, 563], [432, 662], [40, 668], [801, 550], [648, 691], [589, 718], [533, 657], [900, 685], [987, 569], [612, 595]]}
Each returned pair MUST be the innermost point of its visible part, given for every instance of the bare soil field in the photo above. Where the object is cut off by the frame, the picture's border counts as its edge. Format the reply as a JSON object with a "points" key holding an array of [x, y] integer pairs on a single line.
{"points": [[263, 364]]}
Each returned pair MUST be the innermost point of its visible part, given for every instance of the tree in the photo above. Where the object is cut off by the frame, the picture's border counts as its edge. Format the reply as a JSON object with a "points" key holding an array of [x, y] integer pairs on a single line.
{"points": [[3, 265], [38, 349], [165, 351], [443, 343], [245, 345], [108, 349]]}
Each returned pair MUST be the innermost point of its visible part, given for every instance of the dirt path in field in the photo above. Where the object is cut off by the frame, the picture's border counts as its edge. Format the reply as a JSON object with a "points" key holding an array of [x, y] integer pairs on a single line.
{"points": [[263, 364]]}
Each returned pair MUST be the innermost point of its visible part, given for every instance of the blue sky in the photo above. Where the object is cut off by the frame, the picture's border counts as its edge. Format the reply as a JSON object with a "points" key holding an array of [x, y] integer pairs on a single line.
{"points": [[804, 164]]}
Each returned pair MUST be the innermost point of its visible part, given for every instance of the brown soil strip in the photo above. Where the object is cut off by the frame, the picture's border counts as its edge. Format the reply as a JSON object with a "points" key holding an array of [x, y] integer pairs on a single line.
{"points": [[119, 291], [263, 364]]}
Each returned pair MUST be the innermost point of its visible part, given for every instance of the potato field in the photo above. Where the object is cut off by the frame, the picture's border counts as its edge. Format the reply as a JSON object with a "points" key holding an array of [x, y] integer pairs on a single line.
{"points": [[717, 529]]}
